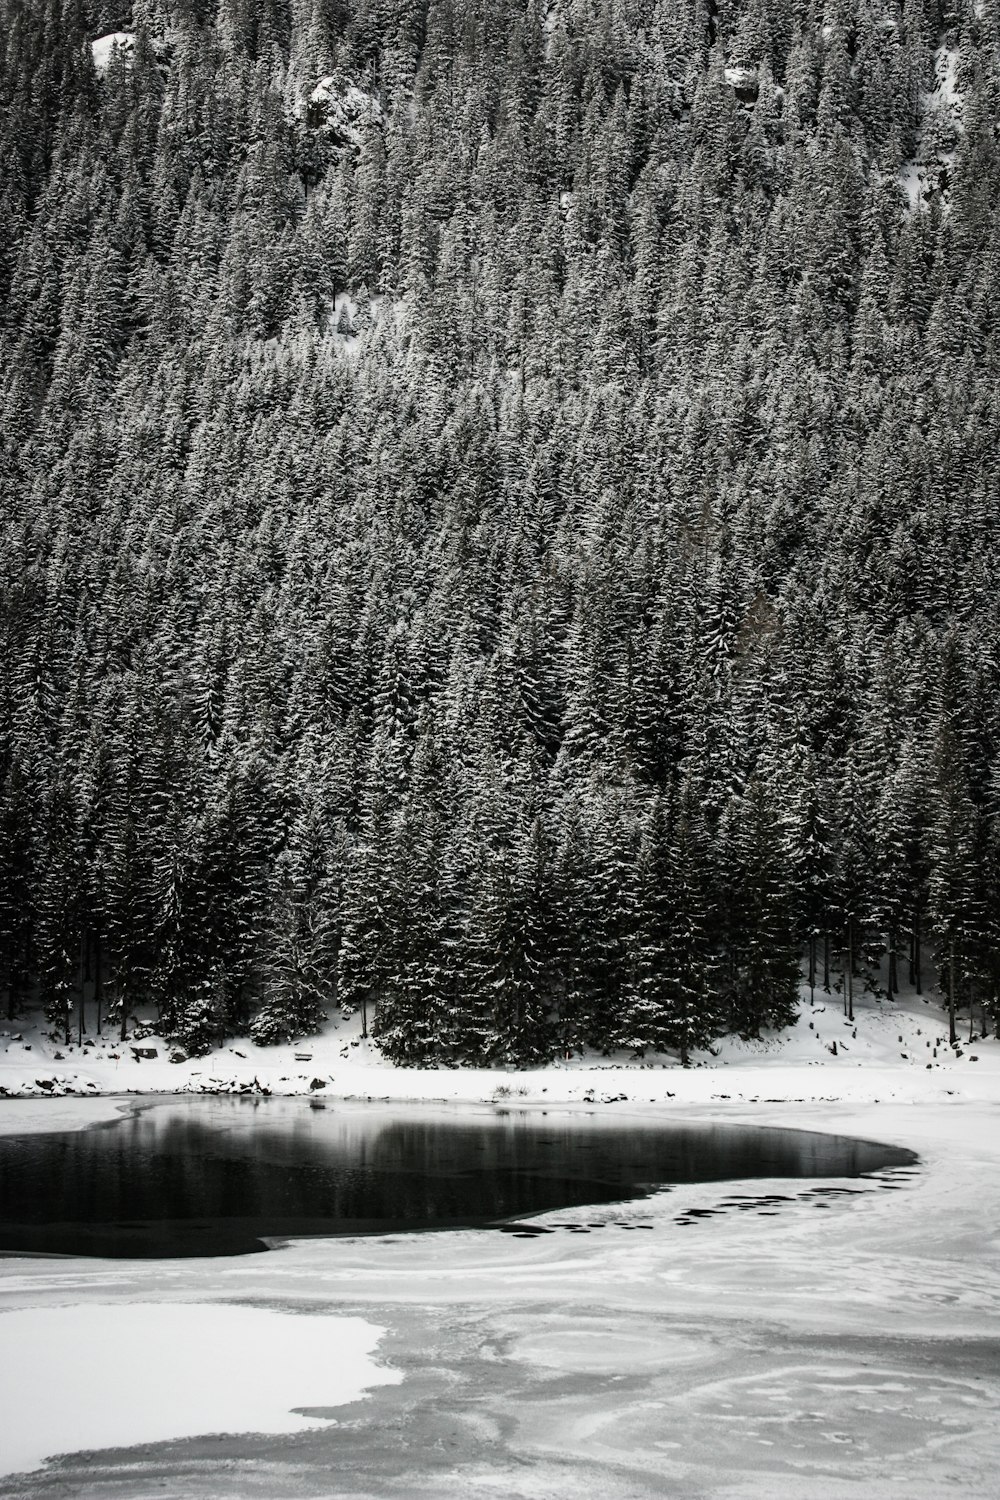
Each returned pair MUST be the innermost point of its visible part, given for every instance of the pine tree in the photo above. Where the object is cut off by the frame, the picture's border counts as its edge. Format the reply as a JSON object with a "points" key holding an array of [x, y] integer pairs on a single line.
{"points": [[18, 837], [409, 1013], [761, 960], [853, 873], [58, 925], [952, 891], [673, 985], [811, 861]]}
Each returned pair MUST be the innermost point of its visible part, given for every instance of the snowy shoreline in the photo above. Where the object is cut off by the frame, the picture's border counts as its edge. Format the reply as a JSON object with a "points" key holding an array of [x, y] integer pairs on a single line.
{"points": [[890, 1053]]}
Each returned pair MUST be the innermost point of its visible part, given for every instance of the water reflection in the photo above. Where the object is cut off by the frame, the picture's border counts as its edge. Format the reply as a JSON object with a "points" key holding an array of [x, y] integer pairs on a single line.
{"points": [[212, 1176]]}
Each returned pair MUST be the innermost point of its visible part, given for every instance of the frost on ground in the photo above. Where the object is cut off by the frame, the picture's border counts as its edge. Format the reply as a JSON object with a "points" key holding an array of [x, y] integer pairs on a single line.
{"points": [[818, 1347], [81, 1377]]}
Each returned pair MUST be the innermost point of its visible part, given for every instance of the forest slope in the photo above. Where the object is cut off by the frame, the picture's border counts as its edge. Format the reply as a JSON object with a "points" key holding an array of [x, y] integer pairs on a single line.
{"points": [[498, 514]]}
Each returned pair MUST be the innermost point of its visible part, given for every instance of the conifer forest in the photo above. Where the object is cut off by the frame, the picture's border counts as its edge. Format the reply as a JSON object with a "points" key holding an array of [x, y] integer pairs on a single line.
{"points": [[499, 515]]}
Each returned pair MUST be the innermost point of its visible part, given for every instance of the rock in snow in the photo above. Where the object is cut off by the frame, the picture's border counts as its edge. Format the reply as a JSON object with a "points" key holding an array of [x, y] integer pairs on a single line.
{"points": [[342, 110]]}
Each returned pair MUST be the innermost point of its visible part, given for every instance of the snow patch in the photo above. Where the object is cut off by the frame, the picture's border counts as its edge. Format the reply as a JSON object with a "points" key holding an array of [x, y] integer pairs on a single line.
{"points": [[946, 91], [916, 185], [98, 1376], [122, 42], [351, 317], [925, 178]]}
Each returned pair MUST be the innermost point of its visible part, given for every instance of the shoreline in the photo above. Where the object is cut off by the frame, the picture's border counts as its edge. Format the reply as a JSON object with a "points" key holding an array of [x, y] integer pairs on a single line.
{"points": [[889, 1054]]}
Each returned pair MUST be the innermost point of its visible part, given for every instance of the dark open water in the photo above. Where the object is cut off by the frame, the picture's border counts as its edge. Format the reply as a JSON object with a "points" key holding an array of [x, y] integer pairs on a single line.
{"points": [[215, 1176]]}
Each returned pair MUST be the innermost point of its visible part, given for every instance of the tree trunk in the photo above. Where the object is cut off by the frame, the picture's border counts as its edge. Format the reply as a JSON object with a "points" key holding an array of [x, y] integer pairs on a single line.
{"points": [[849, 975], [812, 968], [123, 990], [918, 978], [364, 1014], [952, 1033], [84, 981], [826, 962], [98, 981], [893, 973]]}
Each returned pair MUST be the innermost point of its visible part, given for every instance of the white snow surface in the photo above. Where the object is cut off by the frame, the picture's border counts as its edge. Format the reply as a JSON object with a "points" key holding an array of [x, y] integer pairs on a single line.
{"points": [[102, 48], [83, 1375], [354, 319], [946, 93]]}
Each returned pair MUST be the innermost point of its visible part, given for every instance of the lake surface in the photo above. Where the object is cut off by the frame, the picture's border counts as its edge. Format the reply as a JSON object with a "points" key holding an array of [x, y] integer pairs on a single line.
{"points": [[220, 1176]]}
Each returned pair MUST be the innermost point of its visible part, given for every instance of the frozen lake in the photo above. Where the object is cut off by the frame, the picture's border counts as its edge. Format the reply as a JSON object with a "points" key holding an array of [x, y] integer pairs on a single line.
{"points": [[765, 1339], [223, 1176]]}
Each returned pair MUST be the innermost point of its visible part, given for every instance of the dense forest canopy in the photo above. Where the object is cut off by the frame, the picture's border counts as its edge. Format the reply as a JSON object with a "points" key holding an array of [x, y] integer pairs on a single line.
{"points": [[498, 513]]}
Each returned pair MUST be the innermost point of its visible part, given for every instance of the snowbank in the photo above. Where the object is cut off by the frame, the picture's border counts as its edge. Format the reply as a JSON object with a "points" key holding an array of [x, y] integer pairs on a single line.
{"points": [[351, 318], [926, 176], [76, 1378], [895, 1052]]}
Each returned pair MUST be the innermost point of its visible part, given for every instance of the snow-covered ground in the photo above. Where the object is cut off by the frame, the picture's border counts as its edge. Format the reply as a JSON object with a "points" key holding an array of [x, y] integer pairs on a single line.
{"points": [[79, 1377], [816, 1347], [890, 1052]]}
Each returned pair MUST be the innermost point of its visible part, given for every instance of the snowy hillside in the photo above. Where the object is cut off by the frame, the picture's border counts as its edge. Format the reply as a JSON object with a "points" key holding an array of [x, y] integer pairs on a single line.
{"points": [[342, 110], [498, 525]]}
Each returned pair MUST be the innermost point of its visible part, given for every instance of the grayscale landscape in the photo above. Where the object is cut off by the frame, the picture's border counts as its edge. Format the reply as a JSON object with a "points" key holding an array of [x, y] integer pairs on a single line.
{"points": [[499, 749]]}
